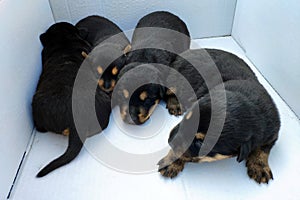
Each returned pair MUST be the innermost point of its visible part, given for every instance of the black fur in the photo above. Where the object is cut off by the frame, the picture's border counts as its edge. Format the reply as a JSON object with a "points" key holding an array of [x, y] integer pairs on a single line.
{"points": [[252, 122], [52, 101], [229, 66], [145, 43], [108, 40], [154, 91]]}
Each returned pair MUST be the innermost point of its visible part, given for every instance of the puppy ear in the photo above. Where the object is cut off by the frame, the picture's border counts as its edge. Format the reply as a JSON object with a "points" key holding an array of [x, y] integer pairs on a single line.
{"points": [[83, 33], [43, 39], [162, 91]]}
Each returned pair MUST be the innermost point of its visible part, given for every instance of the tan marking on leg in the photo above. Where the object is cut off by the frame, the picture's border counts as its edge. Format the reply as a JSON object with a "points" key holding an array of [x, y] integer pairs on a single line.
{"points": [[126, 93], [258, 166], [211, 159], [143, 95], [123, 112], [66, 132], [189, 115], [84, 54], [200, 136], [127, 49], [115, 70], [100, 70]]}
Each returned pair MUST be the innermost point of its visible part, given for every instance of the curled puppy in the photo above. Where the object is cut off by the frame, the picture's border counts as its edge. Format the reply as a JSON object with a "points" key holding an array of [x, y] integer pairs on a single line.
{"points": [[250, 130], [157, 35], [52, 101], [193, 66], [109, 42], [138, 92]]}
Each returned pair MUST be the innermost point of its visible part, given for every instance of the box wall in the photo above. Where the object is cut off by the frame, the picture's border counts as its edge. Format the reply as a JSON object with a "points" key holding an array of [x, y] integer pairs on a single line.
{"points": [[204, 18], [21, 23], [269, 32]]}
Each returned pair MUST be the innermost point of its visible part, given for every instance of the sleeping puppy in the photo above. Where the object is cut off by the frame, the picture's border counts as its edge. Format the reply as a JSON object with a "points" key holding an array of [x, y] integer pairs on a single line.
{"points": [[103, 33], [210, 63], [52, 101], [250, 130], [155, 35], [138, 92]]}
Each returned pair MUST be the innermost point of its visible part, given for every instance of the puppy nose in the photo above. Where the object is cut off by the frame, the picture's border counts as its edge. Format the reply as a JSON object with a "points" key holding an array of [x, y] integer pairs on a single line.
{"points": [[107, 84]]}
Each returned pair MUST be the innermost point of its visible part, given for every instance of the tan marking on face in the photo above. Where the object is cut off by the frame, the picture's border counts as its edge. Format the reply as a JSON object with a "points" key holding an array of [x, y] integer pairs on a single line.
{"points": [[123, 112], [200, 136], [113, 84], [127, 49], [101, 83], [115, 70], [211, 159], [189, 115], [85, 55], [126, 93], [143, 96], [100, 70], [66, 132], [142, 117]]}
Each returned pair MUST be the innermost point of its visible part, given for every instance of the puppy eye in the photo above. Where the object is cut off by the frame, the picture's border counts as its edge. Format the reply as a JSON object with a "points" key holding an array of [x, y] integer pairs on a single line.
{"points": [[143, 95], [115, 70]]}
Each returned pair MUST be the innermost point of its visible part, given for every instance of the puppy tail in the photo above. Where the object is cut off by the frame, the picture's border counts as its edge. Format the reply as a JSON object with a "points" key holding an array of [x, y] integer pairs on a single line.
{"points": [[73, 149]]}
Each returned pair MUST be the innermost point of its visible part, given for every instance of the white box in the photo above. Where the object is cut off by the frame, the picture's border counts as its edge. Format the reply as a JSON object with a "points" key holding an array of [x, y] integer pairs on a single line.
{"points": [[265, 33]]}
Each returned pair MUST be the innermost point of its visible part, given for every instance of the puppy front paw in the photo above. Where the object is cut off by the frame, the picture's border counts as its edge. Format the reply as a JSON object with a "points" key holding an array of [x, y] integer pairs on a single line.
{"points": [[174, 107], [171, 170]]}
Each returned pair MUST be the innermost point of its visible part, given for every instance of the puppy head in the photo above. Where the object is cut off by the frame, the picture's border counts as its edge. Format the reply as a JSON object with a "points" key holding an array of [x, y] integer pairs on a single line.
{"points": [[144, 99], [107, 60], [59, 32]]}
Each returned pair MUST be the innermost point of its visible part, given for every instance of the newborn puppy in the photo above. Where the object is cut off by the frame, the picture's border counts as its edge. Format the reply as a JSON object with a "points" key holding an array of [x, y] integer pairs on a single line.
{"points": [[193, 66], [155, 35], [108, 40], [52, 101], [250, 130], [138, 92]]}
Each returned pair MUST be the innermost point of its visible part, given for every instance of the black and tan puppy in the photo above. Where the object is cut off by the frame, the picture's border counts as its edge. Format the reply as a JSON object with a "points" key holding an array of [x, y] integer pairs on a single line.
{"points": [[157, 35], [250, 130], [194, 66], [52, 101], [107, 40], [138, 92]]}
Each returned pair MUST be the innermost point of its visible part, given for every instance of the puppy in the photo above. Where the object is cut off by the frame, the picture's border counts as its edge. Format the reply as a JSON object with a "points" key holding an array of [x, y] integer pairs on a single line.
{"points": [[250, 130], [156, 35], [108, 40], [192, 66], [52, 101], [137, 104]]}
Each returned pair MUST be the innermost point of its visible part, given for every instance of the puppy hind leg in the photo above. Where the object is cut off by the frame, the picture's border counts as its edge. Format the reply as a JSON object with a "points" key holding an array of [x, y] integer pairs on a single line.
{"points": [[257, 164]]}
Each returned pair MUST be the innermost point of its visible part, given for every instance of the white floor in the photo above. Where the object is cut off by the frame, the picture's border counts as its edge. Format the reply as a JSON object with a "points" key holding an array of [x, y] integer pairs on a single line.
{"points": [[109, 174]]}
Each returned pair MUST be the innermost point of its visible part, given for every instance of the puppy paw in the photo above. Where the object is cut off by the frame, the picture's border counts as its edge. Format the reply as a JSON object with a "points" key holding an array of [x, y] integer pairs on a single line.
{"points": [[259, 172], [258, 167], [171, 170], [174, 107]]}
